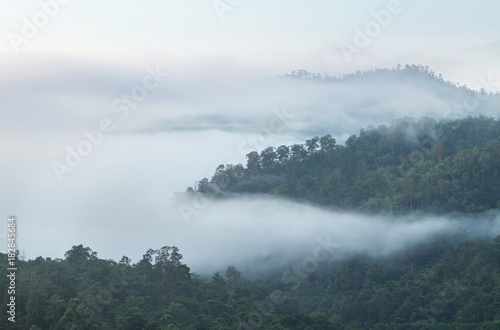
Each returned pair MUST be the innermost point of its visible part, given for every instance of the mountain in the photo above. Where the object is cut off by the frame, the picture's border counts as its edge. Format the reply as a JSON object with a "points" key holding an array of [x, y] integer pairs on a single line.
{"points": [[447, 281], [412, 165]]}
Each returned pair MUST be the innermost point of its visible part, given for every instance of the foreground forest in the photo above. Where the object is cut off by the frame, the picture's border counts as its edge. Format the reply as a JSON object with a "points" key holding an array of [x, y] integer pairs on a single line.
{"points": [[431, 286], [412, 166]]}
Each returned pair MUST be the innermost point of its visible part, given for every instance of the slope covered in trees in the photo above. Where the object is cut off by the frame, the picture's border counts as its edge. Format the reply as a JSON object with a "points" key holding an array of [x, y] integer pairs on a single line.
{"points": [[412, 165], [432, 286]]}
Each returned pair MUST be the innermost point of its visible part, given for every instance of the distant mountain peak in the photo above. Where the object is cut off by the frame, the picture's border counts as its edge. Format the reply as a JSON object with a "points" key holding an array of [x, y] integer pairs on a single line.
{"points": [[408, 72]]}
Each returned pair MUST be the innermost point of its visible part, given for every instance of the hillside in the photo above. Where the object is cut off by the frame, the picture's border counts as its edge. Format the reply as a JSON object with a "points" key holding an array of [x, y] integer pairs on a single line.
{"points": [[432, 286], [412, 165], [449, 281]]}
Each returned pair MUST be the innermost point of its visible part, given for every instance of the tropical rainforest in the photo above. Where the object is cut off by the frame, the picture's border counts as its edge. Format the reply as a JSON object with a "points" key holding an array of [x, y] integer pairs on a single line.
{"points": [[414, 166]]}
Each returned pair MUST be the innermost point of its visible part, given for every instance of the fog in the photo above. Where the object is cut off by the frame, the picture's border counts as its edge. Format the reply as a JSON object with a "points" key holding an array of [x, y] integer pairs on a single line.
{"points": [[219, 96], [116, 200], [262, 233]]}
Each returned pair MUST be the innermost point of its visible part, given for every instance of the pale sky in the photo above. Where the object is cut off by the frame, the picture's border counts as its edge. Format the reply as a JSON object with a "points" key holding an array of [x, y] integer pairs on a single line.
{"points": [[62, 67], [456, 38]]}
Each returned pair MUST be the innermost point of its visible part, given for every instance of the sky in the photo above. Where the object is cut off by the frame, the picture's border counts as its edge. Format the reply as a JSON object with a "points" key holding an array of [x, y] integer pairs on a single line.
{"points": [[109, 107]]}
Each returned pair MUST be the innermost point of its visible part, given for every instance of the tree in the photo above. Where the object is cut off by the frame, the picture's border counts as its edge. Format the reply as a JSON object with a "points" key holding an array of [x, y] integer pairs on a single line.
{"points": [[306, 187], [298, 152], [145, 266], [167, 258], [253, 162], [327, 142], [408, 190], [78, 254], [135, 322], [37, 308], [312, 144], [233, 277], [267, 158], [438, 151], [77, 316], [183, 319], [125, 260], [282, 154], [220, 287], [203, 186]]}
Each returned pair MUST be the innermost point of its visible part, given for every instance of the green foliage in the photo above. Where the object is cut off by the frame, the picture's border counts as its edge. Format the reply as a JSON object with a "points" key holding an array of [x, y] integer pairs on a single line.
{"points": [[413, 165], [437, 285]]}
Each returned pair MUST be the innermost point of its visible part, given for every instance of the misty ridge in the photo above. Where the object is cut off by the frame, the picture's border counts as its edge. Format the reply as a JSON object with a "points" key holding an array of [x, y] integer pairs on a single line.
{"points": [[376, 219], [250, 165], [206, 99], [400, 161], [322, 103], [381, 192]]}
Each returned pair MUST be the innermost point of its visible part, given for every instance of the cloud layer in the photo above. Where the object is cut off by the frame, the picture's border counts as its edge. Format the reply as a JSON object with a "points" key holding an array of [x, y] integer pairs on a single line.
{"points": [[271, 232]]}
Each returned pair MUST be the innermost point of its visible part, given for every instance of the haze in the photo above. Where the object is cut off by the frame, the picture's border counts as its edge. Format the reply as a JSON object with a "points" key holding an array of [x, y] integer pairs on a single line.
{"points": [[217, 98]]}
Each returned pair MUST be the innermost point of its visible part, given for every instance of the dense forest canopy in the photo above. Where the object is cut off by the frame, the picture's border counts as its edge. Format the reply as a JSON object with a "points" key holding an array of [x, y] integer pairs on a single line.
{"points": [[432, 286], [412, 165]]}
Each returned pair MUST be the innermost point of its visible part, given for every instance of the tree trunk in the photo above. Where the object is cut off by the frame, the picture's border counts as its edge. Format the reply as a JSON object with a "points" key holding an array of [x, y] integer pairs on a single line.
{"points": [[230, 296]]}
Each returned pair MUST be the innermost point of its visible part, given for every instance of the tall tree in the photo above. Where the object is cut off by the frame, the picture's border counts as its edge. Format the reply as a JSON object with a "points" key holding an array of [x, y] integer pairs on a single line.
{"points": [[233, 277]]}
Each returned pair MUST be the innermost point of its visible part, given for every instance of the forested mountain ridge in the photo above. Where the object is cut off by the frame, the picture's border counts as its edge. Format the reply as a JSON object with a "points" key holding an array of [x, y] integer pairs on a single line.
{"points": [[412, 165], [410, 75]]}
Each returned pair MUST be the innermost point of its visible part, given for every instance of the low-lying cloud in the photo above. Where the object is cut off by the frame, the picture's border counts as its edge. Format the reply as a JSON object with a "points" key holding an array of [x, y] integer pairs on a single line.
{"points": [[266, 233]]}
